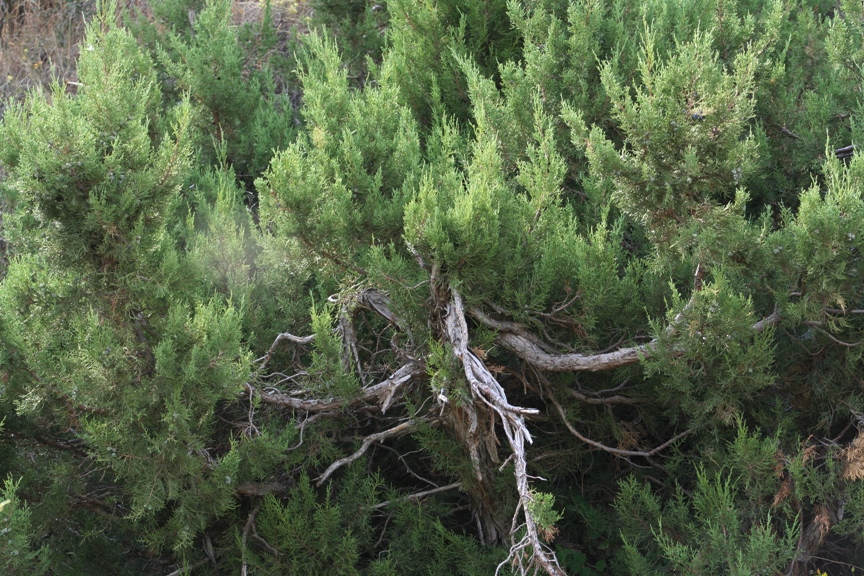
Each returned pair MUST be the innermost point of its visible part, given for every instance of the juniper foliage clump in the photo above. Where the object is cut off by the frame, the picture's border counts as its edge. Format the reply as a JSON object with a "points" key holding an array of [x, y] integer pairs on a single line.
{"points": [[572, 287]]}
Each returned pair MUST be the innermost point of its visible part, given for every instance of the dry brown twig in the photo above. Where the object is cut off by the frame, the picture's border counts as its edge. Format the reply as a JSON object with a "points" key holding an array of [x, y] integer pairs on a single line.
{"points": [[609, 449]]}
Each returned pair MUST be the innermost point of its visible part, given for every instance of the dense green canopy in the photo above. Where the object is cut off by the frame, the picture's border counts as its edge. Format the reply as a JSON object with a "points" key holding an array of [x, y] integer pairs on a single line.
{"points": [[439, 287]]}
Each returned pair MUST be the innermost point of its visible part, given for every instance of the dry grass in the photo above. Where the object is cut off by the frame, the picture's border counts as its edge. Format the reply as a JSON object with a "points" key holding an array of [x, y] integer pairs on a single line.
{"points": [[289, 16], [38, 41], [39, 38]]}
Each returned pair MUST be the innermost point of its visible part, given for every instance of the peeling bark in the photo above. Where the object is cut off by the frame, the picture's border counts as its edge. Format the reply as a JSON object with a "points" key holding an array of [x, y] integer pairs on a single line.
{"points": [[529, 552]]}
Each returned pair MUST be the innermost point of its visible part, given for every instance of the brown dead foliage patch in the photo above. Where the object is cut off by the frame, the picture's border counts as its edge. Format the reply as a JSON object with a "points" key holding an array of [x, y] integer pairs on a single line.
{"points": [[288, 15], [854, 456], [39, 38], [784, 492]]}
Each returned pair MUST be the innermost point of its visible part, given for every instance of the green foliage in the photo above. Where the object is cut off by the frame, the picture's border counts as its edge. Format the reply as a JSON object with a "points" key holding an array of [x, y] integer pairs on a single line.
{"points": [[713, 529], [232, 87], [96, 170], [426, 41], [18, 553], [684, 149], [648, 188], [314, 536], [420, 544], [716, 362]]}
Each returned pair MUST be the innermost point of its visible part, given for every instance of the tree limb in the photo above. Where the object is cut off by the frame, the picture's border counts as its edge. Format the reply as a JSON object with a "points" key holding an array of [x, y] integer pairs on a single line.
{"points": [[602, 400], [418, 495], [384, 391], [526, 349], [300, 340]]}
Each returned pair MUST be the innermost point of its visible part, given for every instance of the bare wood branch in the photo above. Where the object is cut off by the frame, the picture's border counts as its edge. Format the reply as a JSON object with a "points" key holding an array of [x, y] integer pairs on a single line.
{"points": [[394, 432], [826, 333], [534, 355], [842, 312], [244, 570], [418, 495], [602, 400], [299, 340], [507, 326], [790, 133], [379, 302], [485, 388], [384, 391], [771, 320], [261, 489]]}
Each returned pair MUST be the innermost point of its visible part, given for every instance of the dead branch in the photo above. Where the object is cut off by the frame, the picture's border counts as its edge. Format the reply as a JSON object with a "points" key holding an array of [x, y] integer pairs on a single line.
{"points": [[418, 495], [299, 340], [507, 326], [379, 302], [261, 489], [485, 388], [384, 391], [532, 354], [394, 432], [244, 570], [836, 340], [601, 400], [841, 311], [349, 341]]}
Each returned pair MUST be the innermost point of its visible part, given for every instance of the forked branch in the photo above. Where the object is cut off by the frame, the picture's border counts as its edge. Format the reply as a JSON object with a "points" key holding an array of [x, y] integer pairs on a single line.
{"points": [[610, 449], [384, 392]]}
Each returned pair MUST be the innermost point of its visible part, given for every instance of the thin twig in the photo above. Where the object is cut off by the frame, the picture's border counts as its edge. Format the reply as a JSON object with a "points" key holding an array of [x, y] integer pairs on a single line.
{"points": [[384, 391], [418, 495], [602, 400], [249, 522], [826, 333], [609, 449], [394, 432]]}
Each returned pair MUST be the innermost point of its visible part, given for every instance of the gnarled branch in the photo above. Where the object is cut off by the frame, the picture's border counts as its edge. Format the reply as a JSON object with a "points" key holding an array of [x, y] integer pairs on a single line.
{"points": [[486, 388], [528, 350]]}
